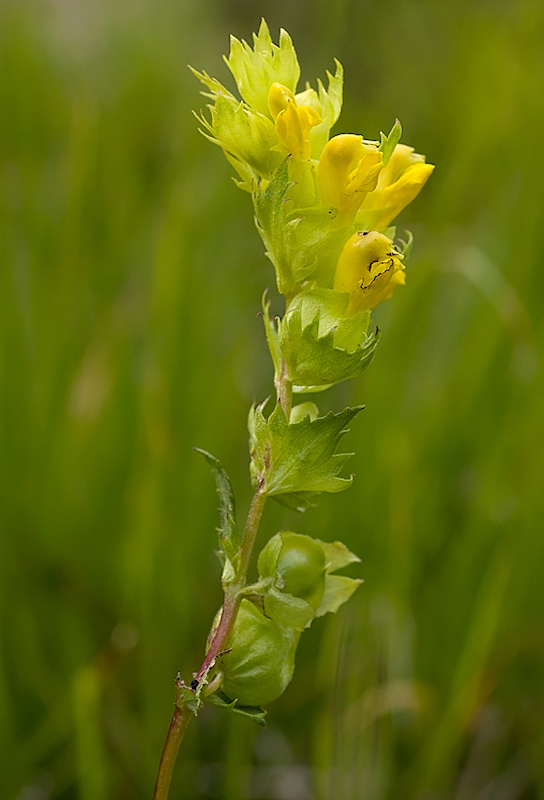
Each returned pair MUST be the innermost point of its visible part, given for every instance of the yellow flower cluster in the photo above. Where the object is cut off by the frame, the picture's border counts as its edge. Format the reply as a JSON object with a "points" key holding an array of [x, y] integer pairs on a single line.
{"points": [[344, 191]]}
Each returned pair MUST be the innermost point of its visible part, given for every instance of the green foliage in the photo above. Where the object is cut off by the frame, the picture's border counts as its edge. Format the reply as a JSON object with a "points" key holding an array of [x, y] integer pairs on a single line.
{"points": [[327, 103], [229, 538], [301, 243], [245, 135], [256, 69], [321, 345], [389, 142], [300, 456]]}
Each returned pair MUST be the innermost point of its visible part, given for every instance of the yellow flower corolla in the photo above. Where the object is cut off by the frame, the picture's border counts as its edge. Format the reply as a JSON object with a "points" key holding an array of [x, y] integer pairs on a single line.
{"points": [[398, 184], [348, 169], [293, 123], [368, 270]]}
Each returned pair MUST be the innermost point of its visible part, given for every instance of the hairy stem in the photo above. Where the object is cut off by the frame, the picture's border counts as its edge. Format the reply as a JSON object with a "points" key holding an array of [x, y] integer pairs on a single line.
{"points": [[183, 714]]}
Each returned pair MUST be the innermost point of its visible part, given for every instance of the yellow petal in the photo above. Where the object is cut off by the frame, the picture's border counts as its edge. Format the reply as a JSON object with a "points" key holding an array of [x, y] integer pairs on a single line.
{"points": [[382, 206], [368, 269], [348, 170]]}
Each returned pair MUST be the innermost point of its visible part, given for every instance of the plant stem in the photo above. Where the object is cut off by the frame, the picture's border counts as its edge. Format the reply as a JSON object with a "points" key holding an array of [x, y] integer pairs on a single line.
{"points": [[232, 591], [178, 726], [252, 526], [284, 391], [183, 714]]}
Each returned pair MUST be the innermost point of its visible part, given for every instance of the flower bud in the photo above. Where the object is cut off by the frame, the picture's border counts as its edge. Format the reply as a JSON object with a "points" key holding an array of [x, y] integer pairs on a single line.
{"points": [[293, 123], [278, 98], [261, 662]]}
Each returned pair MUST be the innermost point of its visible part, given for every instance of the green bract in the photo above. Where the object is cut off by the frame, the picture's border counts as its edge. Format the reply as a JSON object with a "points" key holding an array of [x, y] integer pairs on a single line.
{"points": [[327, 103], [302, 243], [262, 659], [321, 344], [300, 456], [255, 70]]}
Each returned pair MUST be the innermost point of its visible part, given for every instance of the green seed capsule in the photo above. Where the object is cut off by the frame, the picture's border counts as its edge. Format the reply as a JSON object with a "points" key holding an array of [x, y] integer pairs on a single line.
{"points": [[298, 562], [262, 660]]}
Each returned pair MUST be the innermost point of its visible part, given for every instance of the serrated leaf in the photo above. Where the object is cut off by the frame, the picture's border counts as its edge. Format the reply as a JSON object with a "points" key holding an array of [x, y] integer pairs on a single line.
{"points": [[255, 713], [338, 589], [388, 143], [256, 69], [302, 243], [270, 220], [301, 456], [229, 538], [337, 555], [215, 87], [321, 344]]}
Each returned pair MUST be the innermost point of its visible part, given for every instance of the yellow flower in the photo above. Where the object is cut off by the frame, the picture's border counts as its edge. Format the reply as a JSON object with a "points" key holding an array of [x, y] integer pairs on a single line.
{"points": [[398, 184], [348, 169], [293, 123], [368, 270]]}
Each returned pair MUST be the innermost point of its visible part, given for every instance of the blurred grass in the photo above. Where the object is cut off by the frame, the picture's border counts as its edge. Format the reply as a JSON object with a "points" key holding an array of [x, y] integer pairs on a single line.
{"points": [[130, 282]]}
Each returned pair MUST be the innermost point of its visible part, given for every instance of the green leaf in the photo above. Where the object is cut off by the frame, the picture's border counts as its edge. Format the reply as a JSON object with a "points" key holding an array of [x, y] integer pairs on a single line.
{"points": [[321, 344], [301, 456], [214, 86], [256, 69], [388, 143], [270, 220], [338, 589], [330, 101], [302, 243], [229, 539], [314, 243], [337, 555], [255, 713]]}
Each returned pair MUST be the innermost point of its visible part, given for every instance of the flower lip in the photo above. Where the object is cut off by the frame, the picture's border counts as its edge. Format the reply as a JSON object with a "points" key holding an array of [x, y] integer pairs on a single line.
{"points": [[349, 169], [368, 269]]}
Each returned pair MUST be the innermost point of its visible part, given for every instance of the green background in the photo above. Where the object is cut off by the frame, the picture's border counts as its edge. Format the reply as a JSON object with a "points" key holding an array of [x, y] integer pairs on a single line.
{"points": [[130, 283]]}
